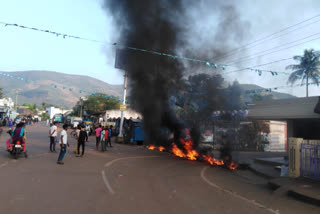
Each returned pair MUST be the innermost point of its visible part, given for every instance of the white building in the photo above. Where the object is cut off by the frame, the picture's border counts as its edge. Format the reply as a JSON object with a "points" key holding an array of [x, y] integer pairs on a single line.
{"points": [[6, 108], [6, 102], [53, 111]]}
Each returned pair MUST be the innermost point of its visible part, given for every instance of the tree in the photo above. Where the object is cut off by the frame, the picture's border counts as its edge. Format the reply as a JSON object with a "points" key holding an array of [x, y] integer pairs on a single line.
{"points": [[45, 116], [1, 93], [97, 103], [308, 68]]}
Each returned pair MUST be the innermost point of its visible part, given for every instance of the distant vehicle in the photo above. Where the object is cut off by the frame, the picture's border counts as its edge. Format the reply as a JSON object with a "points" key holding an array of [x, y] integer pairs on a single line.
{"points": [[58, 118], [75, 121], [207, 136]]}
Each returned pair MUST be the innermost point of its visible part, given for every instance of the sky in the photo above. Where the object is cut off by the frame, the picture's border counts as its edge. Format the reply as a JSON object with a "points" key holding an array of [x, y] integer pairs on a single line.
{"points": [[23, 49]]}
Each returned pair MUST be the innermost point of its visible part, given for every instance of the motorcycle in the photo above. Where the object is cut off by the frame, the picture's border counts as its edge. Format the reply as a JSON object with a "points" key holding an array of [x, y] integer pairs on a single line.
{"points": [[16, 148]]}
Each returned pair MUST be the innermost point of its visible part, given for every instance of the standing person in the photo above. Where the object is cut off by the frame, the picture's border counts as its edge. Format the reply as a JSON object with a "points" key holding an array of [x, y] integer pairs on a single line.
{"points": [[77, 138], [88, 131], [53, 134], [105, 136], [109, 137], [81, 140], [63, 141], [98, 135]]}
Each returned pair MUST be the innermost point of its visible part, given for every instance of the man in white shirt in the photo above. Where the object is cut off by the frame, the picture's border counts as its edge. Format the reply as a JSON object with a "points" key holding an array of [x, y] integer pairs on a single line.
{"points": [[63, 141], [53, 134]]}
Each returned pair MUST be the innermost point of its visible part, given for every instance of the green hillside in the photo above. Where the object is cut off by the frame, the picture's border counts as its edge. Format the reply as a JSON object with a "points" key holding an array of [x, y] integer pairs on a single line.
{"points": [[42, 91]]}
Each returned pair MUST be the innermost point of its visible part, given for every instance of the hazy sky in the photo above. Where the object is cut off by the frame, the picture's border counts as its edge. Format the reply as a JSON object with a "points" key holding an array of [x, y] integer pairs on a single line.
{"points": [[23, 49]]}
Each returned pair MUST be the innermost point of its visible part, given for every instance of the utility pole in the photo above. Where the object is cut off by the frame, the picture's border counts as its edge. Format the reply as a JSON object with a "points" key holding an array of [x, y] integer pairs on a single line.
{"points": [[81, 104], [123, 102], [17, 93]]}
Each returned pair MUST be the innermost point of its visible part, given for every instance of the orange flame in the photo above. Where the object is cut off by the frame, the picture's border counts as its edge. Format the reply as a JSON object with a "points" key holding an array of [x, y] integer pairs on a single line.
{"points": [[177, 152], [151, 147], [192, 154], [188, 146], [212, 161], [161, 148], [232, 166]]}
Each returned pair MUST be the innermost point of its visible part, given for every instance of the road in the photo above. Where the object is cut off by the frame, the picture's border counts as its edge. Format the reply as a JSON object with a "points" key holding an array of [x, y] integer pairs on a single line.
{"points": [[129, 179]]}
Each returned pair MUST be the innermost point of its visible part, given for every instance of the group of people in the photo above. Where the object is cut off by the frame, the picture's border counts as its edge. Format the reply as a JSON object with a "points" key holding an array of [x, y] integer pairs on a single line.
{"points": [[103, 136], [12, 122], [63, 140]]}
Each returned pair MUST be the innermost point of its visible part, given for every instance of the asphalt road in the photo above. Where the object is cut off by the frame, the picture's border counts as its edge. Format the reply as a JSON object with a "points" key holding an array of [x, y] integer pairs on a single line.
{"points": [[129, 179]]}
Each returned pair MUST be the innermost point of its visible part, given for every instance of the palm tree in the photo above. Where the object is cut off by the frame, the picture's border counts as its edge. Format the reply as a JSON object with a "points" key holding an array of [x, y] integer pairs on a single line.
{"points": [[308, 68]]}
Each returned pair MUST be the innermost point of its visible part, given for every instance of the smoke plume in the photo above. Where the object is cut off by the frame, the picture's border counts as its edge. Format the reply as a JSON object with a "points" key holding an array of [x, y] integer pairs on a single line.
{"points": [[150, 25], [175, 27]]}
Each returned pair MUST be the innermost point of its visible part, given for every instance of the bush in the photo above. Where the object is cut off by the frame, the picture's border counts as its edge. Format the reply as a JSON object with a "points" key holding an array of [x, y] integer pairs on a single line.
{"points": [[45, 116]]}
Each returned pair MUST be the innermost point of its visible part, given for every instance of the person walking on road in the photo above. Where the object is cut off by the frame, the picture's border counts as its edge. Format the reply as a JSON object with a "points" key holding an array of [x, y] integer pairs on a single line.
{"points": [[81, 141], [109, 136], [53, 134], [63, 144], [88, 131], [98, 135], [77, 137], [104, 139]]}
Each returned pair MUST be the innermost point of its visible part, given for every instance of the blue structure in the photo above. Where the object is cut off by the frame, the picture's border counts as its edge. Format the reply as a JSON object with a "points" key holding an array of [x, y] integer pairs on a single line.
{"points": [[138, 132], [133, 131]]}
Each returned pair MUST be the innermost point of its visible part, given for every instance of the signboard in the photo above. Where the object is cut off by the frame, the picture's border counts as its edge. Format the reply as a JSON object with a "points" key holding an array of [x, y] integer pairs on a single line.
{"points": [[278, 136], [123, 107]]}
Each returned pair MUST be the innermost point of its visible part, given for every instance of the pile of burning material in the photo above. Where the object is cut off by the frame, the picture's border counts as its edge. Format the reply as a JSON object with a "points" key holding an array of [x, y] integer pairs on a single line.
{"points": [[188, 152], [153, 147]]}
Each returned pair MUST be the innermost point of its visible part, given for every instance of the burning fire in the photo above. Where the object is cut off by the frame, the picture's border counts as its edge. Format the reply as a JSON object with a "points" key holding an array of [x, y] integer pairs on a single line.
{"points": [[212, 161], [188, 146], [161, 148], [177, 152], [191, 154], [232, 166], [151, 147]]}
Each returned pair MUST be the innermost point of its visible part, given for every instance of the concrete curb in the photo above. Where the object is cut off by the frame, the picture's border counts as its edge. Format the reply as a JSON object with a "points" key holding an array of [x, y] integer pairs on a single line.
{"points": [[260, 173], [290, 187], [304, 198]]}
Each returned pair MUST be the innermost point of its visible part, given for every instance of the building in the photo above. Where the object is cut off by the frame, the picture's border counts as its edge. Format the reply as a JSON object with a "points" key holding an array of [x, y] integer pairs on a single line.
{"points": [[6, 108], [53, 111], [296, 117]]}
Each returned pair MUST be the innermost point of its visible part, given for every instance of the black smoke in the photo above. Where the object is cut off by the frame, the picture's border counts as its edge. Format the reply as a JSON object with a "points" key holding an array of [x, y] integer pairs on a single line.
{"points": [[168, 26], [151, 25]]}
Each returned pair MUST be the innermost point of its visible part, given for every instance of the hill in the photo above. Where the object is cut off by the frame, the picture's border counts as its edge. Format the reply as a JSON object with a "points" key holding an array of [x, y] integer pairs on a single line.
{"points": [[41, 88], [275, 95]]}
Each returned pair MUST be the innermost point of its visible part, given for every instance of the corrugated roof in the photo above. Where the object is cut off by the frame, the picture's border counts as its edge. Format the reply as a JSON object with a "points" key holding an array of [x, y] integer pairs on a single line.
{"points": [[295, 108]]}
